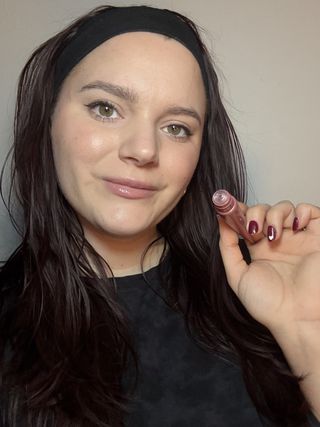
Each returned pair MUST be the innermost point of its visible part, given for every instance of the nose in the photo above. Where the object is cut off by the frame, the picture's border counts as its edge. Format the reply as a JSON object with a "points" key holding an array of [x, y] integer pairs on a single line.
{"points": [[141, 145]]}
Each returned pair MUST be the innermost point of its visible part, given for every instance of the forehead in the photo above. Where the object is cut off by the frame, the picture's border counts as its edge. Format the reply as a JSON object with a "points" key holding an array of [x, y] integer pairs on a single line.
{"points": [[140, 42], [144, 57]]}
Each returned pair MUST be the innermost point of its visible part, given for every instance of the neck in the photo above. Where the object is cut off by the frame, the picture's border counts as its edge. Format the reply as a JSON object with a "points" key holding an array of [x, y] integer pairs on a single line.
{"points": [[123, 254]]}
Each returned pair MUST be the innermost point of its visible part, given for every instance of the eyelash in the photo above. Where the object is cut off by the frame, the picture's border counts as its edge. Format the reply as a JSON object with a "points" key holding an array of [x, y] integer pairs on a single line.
{"points": [[108, 104], [187, 131]]}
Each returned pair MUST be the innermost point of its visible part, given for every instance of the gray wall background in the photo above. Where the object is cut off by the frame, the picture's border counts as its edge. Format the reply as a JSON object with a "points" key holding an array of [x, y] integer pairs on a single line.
{"points": [[268, 57]]}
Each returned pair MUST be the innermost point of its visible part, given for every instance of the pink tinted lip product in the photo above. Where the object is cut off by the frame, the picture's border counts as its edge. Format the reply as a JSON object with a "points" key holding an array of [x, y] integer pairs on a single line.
{"points": [[227, 207], [129, 189]]}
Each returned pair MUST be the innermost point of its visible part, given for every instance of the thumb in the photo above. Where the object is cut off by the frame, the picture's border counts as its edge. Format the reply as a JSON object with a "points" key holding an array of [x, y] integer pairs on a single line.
{"points": [[232, 257]]}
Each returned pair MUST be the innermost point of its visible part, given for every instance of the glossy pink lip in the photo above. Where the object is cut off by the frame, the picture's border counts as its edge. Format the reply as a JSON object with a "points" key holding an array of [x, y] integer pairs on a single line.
{"points": [[129, 188]]}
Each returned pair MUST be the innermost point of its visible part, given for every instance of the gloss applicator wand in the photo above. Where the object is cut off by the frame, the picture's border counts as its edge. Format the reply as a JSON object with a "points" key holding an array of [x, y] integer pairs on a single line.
{"points": [[227, 206]]}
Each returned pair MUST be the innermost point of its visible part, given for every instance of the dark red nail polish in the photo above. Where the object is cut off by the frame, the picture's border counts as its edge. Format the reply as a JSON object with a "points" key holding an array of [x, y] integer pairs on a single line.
{"points": [[253, 227], [271, 233], [295, 224]]}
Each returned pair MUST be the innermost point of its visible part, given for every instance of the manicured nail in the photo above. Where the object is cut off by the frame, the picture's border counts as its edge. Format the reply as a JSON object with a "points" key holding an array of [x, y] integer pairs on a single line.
{"points": [[253, 227], [271, 233], [295, 224]]}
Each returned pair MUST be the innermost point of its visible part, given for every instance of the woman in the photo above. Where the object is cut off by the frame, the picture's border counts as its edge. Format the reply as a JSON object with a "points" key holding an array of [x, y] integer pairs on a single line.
{"points": [[117, 308]]}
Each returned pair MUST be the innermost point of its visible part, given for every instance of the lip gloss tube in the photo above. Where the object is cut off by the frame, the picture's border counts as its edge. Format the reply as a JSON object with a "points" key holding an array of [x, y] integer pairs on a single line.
{"points": [[227, 207]]}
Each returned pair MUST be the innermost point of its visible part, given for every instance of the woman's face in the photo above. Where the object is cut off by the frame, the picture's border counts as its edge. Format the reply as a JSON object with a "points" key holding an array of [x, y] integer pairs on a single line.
{"points": [[126, 133]]}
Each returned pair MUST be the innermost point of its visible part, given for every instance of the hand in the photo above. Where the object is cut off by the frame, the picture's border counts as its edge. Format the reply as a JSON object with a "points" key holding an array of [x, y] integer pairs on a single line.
{"points": [[281, 287], [282, 284]]}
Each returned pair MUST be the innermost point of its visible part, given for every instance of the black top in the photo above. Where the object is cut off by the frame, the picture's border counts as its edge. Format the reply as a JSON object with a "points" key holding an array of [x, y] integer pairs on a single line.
{"points": [[180, 384]]}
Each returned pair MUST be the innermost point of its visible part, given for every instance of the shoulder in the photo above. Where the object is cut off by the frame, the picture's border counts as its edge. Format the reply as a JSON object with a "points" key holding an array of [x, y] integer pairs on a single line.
{"points": [[14, 264], [11, 274]]}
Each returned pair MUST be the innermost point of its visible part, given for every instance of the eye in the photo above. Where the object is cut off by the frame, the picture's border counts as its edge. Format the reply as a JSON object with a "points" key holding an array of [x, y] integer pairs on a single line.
{"points": [[103, 110], [177, 131]]}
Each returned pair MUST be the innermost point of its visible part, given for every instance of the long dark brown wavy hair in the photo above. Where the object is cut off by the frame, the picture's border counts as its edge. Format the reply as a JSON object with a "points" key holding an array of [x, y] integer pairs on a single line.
{"points": [[65, 341]]}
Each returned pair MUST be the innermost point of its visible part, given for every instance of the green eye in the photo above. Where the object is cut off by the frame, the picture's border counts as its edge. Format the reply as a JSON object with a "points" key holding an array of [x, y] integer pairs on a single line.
{"points": [[103, 110], [175, 130], [106, 110]]}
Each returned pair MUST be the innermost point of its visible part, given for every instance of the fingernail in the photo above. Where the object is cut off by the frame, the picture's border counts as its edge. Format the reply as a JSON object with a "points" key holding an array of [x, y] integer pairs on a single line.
{"points": [[271, 232], [253, 227], [295, 224]]}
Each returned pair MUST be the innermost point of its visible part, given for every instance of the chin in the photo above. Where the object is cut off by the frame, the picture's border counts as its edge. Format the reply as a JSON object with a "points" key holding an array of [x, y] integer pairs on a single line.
{"points": [[126, 231], [116, 224]]}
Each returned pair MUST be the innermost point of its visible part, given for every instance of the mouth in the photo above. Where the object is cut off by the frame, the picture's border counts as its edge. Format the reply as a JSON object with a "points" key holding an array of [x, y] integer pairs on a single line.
{"points": [[130, 188]]}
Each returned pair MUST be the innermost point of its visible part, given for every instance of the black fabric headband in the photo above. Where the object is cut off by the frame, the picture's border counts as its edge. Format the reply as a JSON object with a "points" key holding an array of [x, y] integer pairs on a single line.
{"points": [[118, 20]]}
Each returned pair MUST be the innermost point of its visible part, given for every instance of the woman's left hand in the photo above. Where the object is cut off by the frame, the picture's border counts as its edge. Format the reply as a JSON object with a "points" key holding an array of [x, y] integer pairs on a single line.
{"points": [[281, 286]]}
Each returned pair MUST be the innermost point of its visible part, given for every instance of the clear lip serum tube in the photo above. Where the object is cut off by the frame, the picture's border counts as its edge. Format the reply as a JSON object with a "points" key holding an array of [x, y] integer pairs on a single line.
{"points": [[227, 207]]}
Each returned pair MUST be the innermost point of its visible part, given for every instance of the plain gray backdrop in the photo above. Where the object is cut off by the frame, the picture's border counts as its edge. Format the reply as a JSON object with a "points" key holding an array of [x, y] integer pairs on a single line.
{"points": [[268, 57]]}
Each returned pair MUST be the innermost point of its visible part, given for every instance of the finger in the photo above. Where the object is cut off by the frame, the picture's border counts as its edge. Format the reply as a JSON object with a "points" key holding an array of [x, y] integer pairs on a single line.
{"points": [[306, 214], [255, 216], [232, 257], [278, 217], [243, 207]]}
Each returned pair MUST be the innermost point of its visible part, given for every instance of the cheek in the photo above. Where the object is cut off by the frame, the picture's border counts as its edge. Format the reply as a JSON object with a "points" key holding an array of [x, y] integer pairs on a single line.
{"points": [[77, 146], [76, 151], [182, 169]]}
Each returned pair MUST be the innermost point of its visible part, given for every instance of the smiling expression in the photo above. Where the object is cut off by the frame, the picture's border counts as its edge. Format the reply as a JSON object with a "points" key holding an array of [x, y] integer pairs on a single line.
{"points": [[127, 131]]}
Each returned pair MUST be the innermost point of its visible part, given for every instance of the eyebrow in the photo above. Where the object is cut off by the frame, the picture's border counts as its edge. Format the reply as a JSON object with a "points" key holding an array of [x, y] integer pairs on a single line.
{"points": [[131, 96], [119, 91], [183, 111]]}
